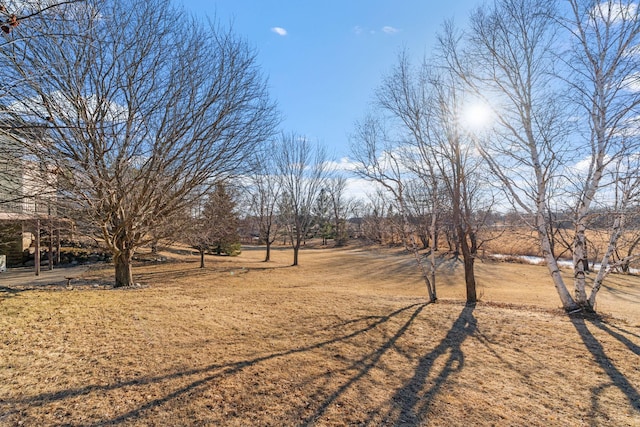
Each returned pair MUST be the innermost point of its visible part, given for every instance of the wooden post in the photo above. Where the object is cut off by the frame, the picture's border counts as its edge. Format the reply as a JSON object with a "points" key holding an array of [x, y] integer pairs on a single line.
{"points": [[36, 256], [50, 252], [58, 245]]}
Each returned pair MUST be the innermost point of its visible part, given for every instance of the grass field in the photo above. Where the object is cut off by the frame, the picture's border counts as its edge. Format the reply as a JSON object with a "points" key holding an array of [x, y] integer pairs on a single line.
{"points": [[344, 339]]}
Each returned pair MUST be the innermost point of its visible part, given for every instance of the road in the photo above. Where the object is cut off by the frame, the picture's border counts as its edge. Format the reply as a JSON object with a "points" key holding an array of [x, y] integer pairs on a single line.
{"points": [[25, 276]]}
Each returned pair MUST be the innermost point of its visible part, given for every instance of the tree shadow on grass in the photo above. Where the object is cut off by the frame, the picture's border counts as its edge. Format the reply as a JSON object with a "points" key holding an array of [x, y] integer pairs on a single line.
{"points": [[220, 371], [150, 277], [363, 366], [624, 331], [618, 379], [6, 292], [617, 334], [627, 294], [412, 401]]}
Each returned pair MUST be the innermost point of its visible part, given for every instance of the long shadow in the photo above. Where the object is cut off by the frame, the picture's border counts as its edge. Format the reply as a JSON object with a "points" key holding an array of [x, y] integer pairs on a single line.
{"points": [[214, 371], [622, 294], [617, 335], [412, 401], [625, 331], [363, 365], [597, 351], [196, 272], [6, 292]]}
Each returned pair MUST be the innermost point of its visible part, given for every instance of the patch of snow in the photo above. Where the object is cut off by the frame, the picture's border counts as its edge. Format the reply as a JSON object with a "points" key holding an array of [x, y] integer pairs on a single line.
{"points": [[537, 260]]}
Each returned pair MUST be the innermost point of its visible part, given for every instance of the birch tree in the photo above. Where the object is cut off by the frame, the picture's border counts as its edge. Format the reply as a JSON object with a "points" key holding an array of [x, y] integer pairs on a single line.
{"points": [[557, 111], [626, 176], [507, 58], [143, 116], [604, 70]]}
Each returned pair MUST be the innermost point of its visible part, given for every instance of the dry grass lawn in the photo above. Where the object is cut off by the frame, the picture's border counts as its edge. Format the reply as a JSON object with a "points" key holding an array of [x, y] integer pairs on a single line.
{"points": [[344, 339]]}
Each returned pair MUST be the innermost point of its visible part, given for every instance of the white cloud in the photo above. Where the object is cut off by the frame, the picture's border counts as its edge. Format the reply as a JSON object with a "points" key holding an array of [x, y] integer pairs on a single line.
{"points": [[632, 51], [25, 7], [614, 13], [389, 30], [360, 188], [358, 30], [632, 82], [344, 164], [279, 31], [63, 106]]}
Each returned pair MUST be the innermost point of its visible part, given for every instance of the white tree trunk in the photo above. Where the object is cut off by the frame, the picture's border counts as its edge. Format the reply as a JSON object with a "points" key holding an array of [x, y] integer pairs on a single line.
{"points": [[579, 255], [616, 232], [568, 303]]}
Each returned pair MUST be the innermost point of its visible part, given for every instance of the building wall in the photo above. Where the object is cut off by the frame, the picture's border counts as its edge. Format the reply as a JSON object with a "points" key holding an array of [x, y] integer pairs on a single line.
{"points": [[27, 190]]}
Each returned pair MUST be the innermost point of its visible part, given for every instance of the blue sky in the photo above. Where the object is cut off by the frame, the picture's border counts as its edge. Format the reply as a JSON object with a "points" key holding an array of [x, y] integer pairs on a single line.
{"points": [[324, 59]]}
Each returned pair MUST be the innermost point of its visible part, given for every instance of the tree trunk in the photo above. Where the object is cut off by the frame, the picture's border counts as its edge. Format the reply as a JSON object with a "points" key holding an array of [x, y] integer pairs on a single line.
{"points": [[267, 256], [424, 239], [470, 279], [201, 250], [434, 238], [616, 232], [434, 248], [297, 240], [296, 249], [469, 274], [579, 258], [552, 265], [124, 277]]}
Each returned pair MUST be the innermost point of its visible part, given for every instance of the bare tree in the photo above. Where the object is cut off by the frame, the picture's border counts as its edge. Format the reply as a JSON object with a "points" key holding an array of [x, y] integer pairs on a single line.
{"points": [[265, 191], [341, 207], [14, 13], [375, 221], [460, 169], [195, 230], [143, 117], [303, 171], [379, 160], [428, 104]]}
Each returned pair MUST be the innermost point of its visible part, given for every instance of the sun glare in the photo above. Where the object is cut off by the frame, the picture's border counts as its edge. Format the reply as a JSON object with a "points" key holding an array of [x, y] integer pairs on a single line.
{"points": [[477, 116]]}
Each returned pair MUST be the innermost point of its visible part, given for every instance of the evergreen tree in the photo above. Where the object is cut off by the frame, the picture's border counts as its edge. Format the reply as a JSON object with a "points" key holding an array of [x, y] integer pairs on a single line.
{"points": [[222, 222]]}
